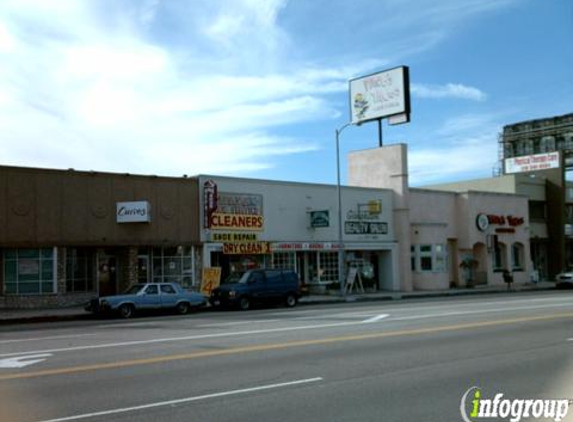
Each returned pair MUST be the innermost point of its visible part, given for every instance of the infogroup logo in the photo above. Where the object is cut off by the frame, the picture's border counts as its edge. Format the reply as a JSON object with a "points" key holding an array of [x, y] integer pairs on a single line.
{"points": [[513, 409]]}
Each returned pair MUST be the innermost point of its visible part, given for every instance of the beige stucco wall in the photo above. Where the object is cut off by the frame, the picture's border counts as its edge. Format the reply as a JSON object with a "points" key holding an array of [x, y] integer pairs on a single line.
{"points": [[445, 217], [501, 205], [387, 167], [433, 218], [503, 184], [442, 218]]}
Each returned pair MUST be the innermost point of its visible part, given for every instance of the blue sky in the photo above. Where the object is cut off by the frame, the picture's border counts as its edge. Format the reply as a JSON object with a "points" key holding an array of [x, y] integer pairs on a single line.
{"points": [[256, 88]]}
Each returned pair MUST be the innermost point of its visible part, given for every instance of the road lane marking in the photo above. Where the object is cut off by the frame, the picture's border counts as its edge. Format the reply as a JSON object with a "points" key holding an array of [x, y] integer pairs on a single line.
{"points": [[270, 330], [375, 318], [46, 338], [280, 346], [481, 311], [186, 338], [186, 400], [231, 324], [23, 361]]}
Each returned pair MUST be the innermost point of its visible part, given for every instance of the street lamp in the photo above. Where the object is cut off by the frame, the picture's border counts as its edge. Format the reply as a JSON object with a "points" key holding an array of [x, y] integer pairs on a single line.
{"points": [[341, 251]]}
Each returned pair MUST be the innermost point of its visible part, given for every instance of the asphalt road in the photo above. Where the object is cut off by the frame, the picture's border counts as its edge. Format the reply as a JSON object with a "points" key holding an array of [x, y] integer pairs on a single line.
{"points": [[382, 361]]}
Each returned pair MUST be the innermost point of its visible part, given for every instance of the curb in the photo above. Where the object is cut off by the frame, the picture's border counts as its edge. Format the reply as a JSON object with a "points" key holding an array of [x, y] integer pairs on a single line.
{"points": [[43, 318], [421, 295], [83, 315]]}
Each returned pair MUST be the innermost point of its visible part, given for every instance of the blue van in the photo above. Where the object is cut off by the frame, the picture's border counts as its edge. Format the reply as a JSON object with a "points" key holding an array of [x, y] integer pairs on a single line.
{"points": [[258, 286]]}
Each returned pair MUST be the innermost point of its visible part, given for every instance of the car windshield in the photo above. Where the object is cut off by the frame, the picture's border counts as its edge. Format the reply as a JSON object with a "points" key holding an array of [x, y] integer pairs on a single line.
{"points": [[235, 278], [134, 289]]}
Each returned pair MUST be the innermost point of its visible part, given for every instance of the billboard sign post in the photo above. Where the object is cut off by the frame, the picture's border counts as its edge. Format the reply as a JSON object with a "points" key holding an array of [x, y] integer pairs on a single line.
{"points": [[377, 96]]}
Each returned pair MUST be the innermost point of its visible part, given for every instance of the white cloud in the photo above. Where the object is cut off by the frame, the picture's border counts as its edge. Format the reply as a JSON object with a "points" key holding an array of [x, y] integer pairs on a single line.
{"points": [[107, 98], [171, 87], [448, 91], [472, 158], [463, 147], [470, 124]]}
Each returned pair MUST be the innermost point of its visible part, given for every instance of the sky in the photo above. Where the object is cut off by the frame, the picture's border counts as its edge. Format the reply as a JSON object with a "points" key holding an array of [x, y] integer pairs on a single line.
{"points": [[257, 88]]}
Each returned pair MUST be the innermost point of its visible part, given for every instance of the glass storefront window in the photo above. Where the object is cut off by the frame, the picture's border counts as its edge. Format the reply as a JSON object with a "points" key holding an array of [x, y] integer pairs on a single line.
{"points": [[284, 260], [429, 258], [173, 264], [29, 271], [328, 266], [517, 256], [499, 260]]}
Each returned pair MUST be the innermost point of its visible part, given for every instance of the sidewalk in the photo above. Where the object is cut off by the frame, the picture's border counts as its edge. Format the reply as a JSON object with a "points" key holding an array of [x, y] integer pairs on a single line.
{"points": [[15, 316]]}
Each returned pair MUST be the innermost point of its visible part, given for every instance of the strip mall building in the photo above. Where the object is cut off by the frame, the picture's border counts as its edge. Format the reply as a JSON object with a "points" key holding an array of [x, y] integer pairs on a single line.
{"points": [[66, 236]]}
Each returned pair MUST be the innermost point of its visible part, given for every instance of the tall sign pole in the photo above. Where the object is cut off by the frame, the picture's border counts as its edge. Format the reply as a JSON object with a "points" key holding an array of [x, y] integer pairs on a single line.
{"points": [[381, 95], [341, 248]]}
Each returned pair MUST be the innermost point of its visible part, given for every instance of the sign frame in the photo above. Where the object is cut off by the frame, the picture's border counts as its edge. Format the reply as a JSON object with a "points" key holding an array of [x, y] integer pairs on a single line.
{"points": [[319, 219], [390, 89], [133, 212]]}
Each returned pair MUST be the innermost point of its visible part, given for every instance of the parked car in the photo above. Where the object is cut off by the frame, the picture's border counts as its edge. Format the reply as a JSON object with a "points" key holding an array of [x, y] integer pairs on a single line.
{"points": [[258, 286], [565, 279], [148, 296]]}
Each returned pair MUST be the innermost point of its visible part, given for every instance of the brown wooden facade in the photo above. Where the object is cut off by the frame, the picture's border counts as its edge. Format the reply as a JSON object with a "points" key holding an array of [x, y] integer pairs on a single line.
{"points": [[67, 219]]}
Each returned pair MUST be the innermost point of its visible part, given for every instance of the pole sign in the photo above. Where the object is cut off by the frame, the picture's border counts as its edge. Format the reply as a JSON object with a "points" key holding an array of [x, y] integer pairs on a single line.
{"points": [[381, 95]]}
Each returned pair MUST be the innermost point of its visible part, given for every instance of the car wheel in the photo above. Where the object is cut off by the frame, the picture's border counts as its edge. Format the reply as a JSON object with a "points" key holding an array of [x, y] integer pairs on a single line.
{"points": [[182, 308], [290, 300], [126, 310], [244, 303]]}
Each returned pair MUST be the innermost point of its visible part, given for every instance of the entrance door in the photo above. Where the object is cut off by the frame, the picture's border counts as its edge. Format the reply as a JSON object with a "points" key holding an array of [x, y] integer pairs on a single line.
{"points": [[143, 269], [452, 254], [107, 275]]}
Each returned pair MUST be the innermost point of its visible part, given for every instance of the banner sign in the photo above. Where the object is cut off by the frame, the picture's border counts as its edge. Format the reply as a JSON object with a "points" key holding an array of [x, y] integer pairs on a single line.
{"points": [[365, 227], [234, 237], [535, 162], [237, 222], [251, 248], [231, 211], [240, 203], [299, 246]]}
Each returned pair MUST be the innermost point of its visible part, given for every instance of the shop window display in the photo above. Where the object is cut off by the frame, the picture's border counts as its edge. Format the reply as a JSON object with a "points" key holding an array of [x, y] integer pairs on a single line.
{"points": [[29, 271]]}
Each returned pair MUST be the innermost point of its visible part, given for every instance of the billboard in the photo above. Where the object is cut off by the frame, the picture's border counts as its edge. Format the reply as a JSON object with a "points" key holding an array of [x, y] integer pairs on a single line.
{"points": [[535, 162], [380, 95]]}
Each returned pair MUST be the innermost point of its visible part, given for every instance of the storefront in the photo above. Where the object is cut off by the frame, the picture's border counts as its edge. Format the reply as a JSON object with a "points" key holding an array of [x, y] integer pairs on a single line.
{"points": [[68, 235], [448, 238], [258, 223], [468, 239]]}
